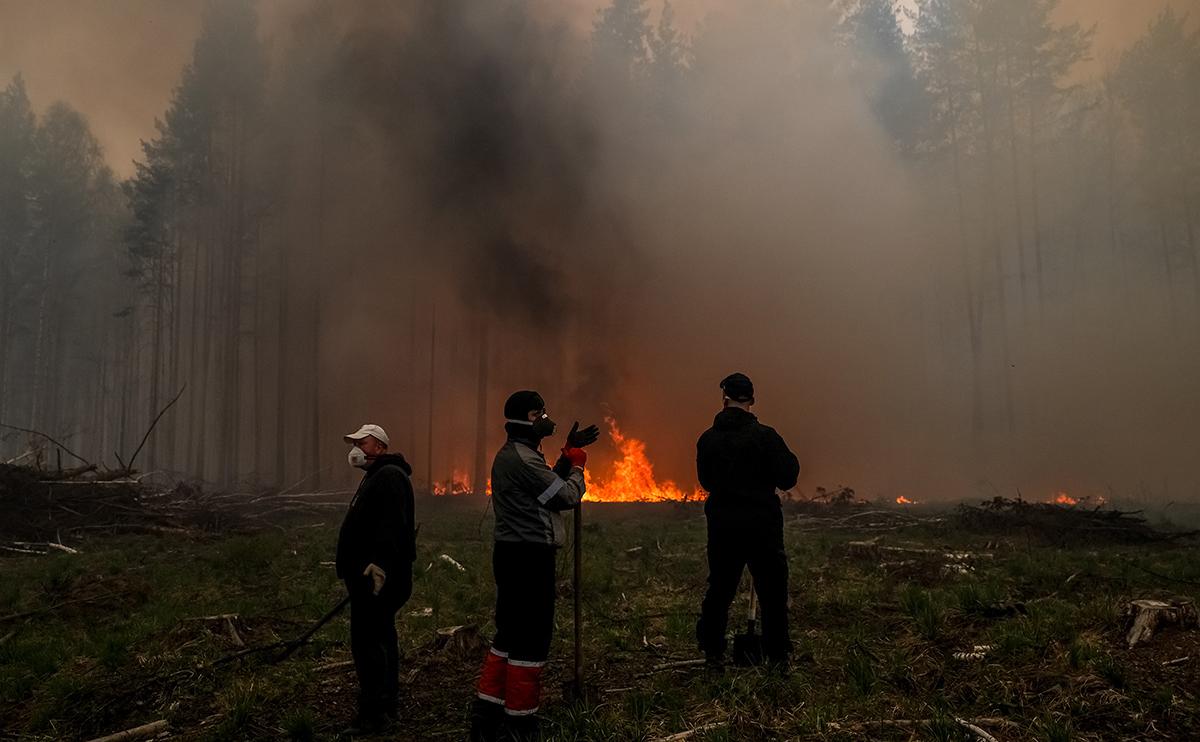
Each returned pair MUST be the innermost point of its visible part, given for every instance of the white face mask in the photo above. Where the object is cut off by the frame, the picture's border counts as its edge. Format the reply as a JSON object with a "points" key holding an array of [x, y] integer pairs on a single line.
{"points": [[357, 458]]}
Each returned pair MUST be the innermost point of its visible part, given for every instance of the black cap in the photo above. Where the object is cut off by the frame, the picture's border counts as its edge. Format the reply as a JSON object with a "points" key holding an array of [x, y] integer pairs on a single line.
{"points": [[521, 403], [738, 387]]}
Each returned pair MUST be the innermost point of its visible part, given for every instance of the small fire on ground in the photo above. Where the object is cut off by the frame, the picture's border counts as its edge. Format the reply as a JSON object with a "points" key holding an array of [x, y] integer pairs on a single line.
{"points": [[458, 484], [902, 500], [1065, 500]]}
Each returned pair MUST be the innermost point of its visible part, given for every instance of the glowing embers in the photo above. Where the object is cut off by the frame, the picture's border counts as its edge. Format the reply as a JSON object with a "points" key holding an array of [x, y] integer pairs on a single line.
{"points": [[902, 500], [631, 477]]}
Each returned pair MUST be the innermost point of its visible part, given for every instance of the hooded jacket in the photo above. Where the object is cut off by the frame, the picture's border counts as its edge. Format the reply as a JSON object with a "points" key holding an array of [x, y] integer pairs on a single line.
{"points": [[378, 527], [741, 462], [529, 496]]}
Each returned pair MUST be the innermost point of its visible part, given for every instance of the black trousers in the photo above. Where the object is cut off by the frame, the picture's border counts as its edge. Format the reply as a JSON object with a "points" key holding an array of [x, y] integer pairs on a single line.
{"points": [[525, 594], [373, 642], [735, 542]]}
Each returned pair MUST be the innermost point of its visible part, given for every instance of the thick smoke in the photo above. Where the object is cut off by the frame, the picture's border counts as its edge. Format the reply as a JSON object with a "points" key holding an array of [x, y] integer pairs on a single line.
{"points": [[478, 177]]}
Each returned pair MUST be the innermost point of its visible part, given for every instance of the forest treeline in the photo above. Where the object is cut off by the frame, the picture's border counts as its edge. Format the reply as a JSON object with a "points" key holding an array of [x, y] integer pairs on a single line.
{"points": [[220, 262]]}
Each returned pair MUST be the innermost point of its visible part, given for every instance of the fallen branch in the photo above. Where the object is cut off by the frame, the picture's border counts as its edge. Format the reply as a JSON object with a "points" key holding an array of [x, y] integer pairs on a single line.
{"points": [[16, 550], [692, 732], [150, 430], [979, 733], [233, 633], [48, 545], [972, 726], [56, 606], [38, 432], [142, 732], [672, 666], [1161, 576], [334, 666]]}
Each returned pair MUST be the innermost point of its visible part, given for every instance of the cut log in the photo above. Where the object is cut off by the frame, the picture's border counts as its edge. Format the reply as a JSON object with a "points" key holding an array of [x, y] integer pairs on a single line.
{"points": [[1146, 617]]}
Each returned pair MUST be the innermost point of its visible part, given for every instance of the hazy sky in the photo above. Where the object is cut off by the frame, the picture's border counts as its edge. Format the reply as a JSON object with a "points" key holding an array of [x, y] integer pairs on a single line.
{"points": [[118, 60]]}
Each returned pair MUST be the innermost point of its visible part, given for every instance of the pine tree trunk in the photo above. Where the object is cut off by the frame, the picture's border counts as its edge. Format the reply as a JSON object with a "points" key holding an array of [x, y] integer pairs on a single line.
{"points": [[479, 478], [1018, 208], [156, 355], [314, 438], [194, 430], [40, 342], [256, 408], [283, 378], [1036, 215], [432, 392], [994, 236], [1114, 241], [5, 337], [1169, 273], [974, 328]]}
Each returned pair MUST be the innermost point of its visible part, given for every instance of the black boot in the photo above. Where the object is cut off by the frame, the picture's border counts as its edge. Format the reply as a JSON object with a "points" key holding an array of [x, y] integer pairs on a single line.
{"points": [[367, 724], [521, 729], [486, 718]]}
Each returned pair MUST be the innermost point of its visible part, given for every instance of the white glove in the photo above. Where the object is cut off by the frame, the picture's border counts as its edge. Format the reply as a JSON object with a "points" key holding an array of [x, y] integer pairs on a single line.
{"points": [[377, 575]]}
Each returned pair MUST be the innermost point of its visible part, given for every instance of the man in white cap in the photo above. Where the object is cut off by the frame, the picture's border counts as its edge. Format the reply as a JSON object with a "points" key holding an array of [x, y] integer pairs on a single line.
{"points": [[375, 552]]}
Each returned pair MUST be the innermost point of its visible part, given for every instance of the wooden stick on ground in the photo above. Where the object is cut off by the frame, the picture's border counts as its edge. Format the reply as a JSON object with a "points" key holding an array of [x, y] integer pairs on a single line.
{"points": [[142, 732], [979, 733], [671, 666], [691, 732]]}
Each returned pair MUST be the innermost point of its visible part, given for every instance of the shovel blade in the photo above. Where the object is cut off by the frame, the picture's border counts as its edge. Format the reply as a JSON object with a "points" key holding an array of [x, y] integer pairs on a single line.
{"points": [[748, 649]]}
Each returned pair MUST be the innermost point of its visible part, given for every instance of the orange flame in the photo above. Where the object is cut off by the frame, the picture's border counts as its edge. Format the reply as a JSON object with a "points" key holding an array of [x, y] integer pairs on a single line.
{"points": [[1089, 501], [632, 477], [459, 484], [902, 500], [1062, 498]]}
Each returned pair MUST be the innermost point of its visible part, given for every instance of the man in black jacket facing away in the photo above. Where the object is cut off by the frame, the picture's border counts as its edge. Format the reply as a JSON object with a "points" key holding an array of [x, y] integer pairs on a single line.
{"points": [[741, 463], [375, 553]]}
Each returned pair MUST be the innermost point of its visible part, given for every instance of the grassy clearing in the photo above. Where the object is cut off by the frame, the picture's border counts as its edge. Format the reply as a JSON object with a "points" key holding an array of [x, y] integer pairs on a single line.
{"points": [[126, 644]]}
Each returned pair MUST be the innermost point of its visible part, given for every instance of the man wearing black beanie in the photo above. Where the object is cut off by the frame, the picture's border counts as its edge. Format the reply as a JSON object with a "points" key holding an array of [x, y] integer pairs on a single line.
{"points": [[529, 498], [741, 463]]}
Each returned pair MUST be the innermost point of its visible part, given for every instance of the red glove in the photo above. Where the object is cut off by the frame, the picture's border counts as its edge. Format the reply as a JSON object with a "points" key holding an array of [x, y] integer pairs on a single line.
{"points": [[577, 456]]}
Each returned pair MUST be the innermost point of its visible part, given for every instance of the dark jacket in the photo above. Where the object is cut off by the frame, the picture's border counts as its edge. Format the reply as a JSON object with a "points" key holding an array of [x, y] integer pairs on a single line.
{"points": [[741, 463], [529, 496], [378, 527]]}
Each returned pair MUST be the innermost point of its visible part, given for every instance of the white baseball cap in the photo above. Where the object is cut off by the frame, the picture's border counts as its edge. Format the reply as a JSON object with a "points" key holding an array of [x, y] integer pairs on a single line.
{"points": [[368, 429]]}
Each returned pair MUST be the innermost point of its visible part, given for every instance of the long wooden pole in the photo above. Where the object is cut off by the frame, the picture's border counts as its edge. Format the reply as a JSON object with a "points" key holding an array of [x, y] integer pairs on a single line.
{"points": [[578, 591]]}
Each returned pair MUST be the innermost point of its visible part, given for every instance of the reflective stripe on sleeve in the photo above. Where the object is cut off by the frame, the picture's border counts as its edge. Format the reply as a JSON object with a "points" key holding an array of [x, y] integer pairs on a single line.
{"points": [[551, 491]]}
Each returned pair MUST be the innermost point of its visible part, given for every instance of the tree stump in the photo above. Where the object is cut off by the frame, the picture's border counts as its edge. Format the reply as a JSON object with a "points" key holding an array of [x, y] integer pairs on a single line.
{"points": [[1146, 617], [458, 640]]}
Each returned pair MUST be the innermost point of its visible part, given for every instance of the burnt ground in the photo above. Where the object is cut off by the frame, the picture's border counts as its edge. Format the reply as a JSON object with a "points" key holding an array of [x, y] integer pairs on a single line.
{"points": [[887, 614]]}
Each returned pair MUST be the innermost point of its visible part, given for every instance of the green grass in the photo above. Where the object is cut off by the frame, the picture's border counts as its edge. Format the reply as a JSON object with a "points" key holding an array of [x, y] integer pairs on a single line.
{"points": [[872, 645]]}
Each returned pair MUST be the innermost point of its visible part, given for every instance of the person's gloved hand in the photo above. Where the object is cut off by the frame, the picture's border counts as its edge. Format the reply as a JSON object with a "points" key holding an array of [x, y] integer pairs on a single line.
{"points": [[579, 438], [377, 575], [577, 456]]}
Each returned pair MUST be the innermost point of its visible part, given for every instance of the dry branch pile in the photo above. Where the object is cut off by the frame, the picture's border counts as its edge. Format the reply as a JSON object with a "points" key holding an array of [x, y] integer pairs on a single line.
{"points": [[1062, 524], [40, 509]]}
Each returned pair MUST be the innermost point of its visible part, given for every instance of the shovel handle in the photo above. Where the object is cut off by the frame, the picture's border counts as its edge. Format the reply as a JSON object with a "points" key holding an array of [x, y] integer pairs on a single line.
{"points": [[577, 547], [750, 614]]}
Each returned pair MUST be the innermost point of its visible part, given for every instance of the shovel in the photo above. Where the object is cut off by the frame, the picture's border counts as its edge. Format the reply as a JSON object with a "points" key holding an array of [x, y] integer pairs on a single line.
{"points": [[575, 688], [748, 647]]}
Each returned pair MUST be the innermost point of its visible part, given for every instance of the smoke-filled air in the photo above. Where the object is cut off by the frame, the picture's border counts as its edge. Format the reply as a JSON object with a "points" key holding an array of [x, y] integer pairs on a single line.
{"points": [[600, 370], [953, 243]]}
